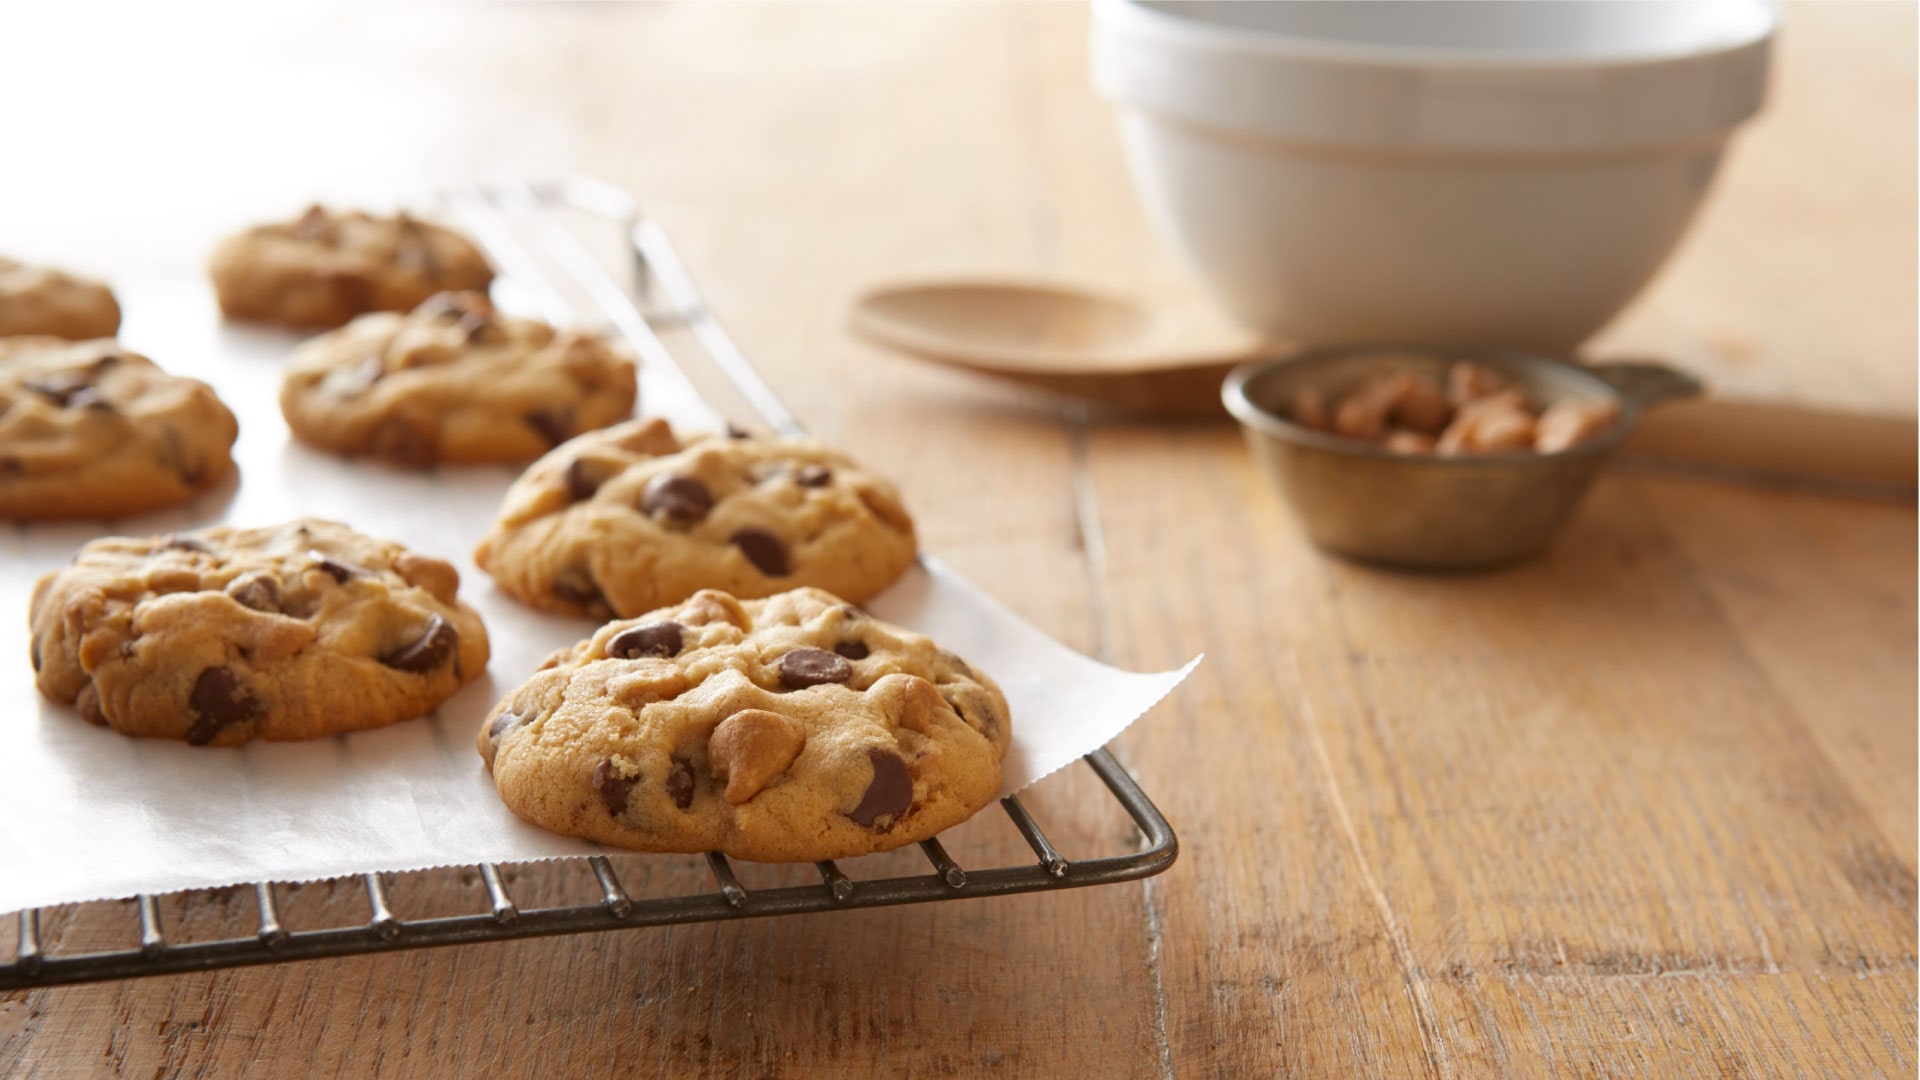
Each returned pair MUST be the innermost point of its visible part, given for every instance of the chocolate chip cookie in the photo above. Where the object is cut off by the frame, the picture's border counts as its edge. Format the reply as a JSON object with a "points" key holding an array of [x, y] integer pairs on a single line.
{"points": [[453, 381], [327, 266], [88, 429], [42, 300], [795, 728], [224, 635], [620, 521]]}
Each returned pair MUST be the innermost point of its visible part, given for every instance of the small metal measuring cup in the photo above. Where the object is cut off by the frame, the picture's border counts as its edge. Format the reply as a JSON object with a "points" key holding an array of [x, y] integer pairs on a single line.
{"points": [[1421, 510]]}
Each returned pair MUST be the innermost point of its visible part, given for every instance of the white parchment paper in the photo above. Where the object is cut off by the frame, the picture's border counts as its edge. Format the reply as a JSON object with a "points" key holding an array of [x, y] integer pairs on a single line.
{"points": [[87, 813]]}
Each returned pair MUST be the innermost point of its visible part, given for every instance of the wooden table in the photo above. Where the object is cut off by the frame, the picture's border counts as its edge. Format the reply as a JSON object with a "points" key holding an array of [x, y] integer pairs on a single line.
{"points": [[1644, 807]]}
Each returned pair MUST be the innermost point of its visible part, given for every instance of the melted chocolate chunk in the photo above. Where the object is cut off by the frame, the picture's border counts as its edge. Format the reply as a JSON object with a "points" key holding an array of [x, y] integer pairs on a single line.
{"points": [[554, 425], [888, 796], [680, 783], [764, 550], [802, 668], [679, 500], [852, 650], [218, 701], [652, 639], [814, 476], [176, 542], [429, 651], [259, 592], [734, 431], [613, 788], [576, 586], [33, 651]]}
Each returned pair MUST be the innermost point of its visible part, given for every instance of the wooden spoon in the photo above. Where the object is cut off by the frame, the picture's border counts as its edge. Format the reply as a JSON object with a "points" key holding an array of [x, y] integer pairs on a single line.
{"points": [[1113, 351], [1071, 341]]}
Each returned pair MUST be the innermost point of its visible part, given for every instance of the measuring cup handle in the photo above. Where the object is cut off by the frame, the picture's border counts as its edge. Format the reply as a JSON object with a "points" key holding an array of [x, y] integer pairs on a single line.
{"points": [[1645, 383]]}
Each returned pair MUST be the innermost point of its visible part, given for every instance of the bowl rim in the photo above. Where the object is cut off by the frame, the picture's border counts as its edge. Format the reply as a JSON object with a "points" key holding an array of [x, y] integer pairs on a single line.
{"points": [[1200, 31], [1233, 394]]}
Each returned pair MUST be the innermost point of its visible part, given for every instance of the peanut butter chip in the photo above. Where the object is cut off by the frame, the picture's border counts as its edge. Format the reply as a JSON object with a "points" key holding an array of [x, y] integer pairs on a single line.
{"points": [[750, 748]]}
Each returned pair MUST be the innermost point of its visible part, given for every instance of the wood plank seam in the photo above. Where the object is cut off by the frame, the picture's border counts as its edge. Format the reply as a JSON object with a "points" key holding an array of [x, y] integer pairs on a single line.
{"points": [[1093, 547], [1430, 1043]]}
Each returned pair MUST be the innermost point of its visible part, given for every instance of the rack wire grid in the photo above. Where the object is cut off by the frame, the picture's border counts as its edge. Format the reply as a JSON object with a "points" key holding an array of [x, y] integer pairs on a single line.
{"points": [[499, 214]]}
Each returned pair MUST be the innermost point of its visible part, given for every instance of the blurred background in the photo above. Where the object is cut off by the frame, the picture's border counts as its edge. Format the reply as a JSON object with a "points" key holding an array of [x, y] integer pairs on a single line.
{"points": [[963, 137]]}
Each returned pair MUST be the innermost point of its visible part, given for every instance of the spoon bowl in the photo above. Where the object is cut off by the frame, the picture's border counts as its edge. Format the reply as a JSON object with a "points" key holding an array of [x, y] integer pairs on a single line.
{"points": [[1078, 342]]}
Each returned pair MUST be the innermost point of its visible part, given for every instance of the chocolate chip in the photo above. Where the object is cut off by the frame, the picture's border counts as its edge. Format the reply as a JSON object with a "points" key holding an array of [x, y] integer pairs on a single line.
{"points": [[337, 569], [312, 223], [503, 723], [764, 550], [802, 668], [814, 476], [356, 380], [852, 650], [652, 639], [680, 783], [428, 651], [218, 701], [888, 796], [443, 305], [554, 425], [33, 652], [680, 500], [584, 477], [576, 586], [405, 441], [88, 397], [613, 787], [10, 465], [88, 702], [259, 592], [735, 432], [176, 542], [62, 386], [190, 472], [480, 327]]}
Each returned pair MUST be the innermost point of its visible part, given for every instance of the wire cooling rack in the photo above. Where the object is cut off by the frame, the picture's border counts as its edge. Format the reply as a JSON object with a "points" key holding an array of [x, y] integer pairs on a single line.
{"points": [[500, 216]]}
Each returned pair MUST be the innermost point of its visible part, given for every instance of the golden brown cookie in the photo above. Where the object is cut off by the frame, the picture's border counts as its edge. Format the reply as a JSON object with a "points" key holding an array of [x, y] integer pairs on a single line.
{"points": [[42, 300], [620, 521], [453, 381], [327, 266], [224, 635], [795, 728], [88, 429]]}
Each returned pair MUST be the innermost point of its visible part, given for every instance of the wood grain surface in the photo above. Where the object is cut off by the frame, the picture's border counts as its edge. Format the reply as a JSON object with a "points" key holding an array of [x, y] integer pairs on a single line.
{"points": [[1645, 807]]}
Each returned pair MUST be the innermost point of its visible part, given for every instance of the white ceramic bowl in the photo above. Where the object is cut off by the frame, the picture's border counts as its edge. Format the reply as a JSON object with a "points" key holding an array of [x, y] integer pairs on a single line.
{"points": [[1485, 173]]}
